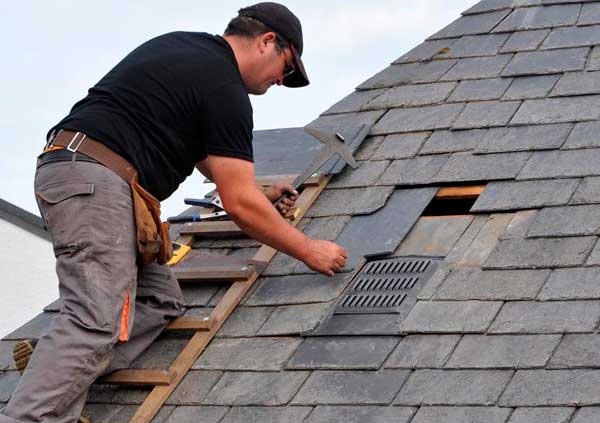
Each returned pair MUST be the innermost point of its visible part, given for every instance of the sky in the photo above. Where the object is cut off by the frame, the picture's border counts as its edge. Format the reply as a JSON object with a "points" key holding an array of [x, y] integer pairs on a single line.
{"points": [[54, 51]]}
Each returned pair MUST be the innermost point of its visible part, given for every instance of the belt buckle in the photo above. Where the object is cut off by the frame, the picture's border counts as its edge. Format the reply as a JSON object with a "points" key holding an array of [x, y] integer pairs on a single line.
{"points": [[70, 145]]}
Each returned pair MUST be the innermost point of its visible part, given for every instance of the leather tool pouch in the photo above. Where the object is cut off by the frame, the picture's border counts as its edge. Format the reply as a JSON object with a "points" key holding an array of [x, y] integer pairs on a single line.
{"points": [[153, 241]]}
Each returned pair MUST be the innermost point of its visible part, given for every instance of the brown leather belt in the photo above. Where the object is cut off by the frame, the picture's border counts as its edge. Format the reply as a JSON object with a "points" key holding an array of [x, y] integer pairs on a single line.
{"points": [[80, 142]]}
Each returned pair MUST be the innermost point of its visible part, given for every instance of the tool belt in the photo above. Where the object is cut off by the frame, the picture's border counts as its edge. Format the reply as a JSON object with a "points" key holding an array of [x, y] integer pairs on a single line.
{"points": [[153, 242]]}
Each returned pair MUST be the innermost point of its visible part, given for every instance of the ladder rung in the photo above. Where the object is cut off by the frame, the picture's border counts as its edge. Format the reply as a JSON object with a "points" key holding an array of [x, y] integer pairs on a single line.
{"points": [[139, 377], [214, 273], [211, 229], [193, 323]]}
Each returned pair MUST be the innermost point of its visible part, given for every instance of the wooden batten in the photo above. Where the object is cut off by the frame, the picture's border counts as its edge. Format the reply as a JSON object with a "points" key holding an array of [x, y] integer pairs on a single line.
{"points": [[459, 193], [140, 377]]}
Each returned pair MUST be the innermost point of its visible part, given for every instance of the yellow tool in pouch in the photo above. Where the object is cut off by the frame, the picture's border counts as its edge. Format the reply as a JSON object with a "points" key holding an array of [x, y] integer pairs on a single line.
{"points": [[179, 252]]}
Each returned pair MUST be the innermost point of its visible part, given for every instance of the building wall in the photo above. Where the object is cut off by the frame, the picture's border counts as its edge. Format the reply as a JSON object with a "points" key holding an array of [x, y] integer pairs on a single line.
{"points": [[27, 278]]}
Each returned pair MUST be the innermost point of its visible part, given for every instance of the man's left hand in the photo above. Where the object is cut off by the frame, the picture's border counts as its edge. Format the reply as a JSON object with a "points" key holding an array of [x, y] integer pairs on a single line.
{"points": [[277, 190]]}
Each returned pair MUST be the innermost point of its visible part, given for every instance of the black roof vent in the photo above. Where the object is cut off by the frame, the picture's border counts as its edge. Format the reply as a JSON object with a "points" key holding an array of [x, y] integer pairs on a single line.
{"points": [[383, 286]]}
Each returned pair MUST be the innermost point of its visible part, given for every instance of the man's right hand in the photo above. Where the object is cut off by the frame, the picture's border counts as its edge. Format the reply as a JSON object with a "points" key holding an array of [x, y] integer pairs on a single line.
{"points": [[325, 257]]}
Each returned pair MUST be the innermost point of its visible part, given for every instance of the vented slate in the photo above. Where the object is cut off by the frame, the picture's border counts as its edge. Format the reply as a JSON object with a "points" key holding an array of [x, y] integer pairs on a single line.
{"points": [[383, 286]]}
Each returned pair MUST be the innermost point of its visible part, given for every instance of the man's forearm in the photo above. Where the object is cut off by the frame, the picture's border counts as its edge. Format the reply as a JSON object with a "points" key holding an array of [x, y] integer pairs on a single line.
{"points": [[257, 217]]}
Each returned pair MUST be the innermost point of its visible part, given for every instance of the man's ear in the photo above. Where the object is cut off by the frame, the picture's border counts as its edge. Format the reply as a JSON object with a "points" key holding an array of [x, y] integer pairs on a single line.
{"points": [[265, 39]]}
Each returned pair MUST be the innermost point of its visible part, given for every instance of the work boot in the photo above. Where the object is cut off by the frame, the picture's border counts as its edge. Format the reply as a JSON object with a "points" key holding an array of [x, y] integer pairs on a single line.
{"points": [[22, 353]]}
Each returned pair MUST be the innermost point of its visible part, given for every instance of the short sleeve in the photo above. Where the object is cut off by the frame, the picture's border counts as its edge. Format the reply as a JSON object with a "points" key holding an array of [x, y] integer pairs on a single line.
{"points": [[228, 122]]}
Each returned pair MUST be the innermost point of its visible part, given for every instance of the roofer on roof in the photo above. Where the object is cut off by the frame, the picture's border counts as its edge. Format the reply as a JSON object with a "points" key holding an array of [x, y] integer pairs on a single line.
{"points": [[177, 101]]}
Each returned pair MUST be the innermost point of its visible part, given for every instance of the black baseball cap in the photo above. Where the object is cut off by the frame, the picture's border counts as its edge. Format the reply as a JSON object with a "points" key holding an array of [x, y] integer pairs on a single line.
{"points": [[282, 21]]}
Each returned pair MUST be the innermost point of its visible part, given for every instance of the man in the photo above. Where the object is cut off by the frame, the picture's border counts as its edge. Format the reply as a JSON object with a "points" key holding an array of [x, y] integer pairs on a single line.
{"points": [[177, 101]]}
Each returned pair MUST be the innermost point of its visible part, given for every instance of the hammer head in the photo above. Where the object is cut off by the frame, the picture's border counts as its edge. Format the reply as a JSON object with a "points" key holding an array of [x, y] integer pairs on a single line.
{"points": [[334, 144]]}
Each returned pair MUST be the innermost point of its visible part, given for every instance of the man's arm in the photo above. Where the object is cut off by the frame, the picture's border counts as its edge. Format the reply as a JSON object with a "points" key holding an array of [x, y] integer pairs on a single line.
{"points": [[256, 216]]}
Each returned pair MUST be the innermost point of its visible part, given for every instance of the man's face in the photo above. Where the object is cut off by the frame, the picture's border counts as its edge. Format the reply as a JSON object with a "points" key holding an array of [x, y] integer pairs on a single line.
{"points": [[271, 67]]}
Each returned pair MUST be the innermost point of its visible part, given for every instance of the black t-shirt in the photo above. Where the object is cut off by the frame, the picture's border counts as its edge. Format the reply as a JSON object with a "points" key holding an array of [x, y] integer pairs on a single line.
{"points": [[166, 105]]}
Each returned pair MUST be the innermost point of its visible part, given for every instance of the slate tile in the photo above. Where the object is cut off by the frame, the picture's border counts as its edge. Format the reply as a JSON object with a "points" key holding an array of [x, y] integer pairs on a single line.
{"points": [[561, 164], [486, 114], [6, 359], [450, 316], [194, 387], [425, 51], [477, 68], [8, 383], [161, 353], [342, 353], [198, 295], [552, 388], [298, 289], [540, 17], [524, 138], [413, 95], [294, 319], [587, 415], [546, 62], [488, 6], [400, 146], [258, 354], [440, 275], [503, 351], [509, 195], [360, 414], [572, 284], [584, 135], [485, 241], [529, 87], [476, 284], [101, 394], [434, 237], [351, 387], [520, 224], [326, 227], [256, 388], [577, 351], [267, 414], [453, 141], [467, 167], [417, 119], [524, 41], [480, 89], [130, 395], [594, 258], [335, 202], [244, 322], [33, 329], [418, 351], [472, 24], [547, 317], [540, 253], [368, 147], [577, 83], [588, 192], [572, 37], [474, 46], [365, 175], [466, 240], [594, 59], [419, 170], [453, 387], [540, 414], [280, 264], [566, 221], [354, 102], [590, 14], [420, 72], [195, 414], [384, 230], [109, 413], [462, 414], [379, 324]]}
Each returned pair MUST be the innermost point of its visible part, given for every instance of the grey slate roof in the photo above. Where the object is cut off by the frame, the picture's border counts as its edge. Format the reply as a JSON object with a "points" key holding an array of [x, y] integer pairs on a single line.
{"points": [[506, 330]]}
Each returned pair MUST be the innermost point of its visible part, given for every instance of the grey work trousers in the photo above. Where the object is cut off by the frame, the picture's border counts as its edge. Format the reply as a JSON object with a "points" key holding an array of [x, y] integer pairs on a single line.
{"points": [[88, 211]]}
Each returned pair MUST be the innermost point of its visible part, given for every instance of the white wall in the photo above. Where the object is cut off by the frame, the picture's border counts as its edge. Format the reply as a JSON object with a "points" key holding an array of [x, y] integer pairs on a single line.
{"points": [[27, 279]]}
